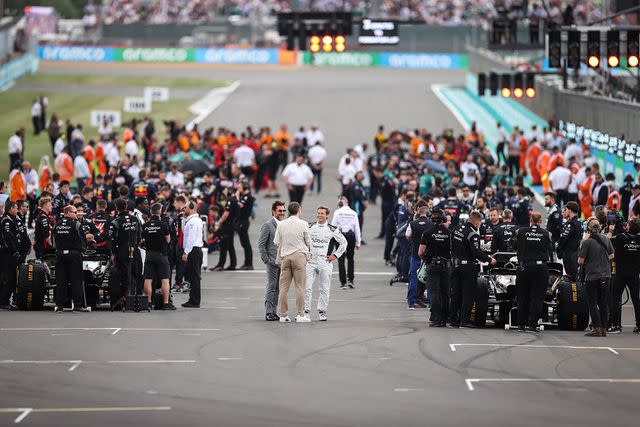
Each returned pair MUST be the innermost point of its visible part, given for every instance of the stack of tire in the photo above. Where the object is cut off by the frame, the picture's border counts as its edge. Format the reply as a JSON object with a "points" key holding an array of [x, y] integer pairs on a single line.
{"points": [[31, 285], [573, 311]]}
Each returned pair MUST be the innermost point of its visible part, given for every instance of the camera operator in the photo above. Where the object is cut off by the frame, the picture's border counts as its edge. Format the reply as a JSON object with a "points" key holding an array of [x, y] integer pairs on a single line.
{"points": [[595, 255], [70, 243], [124, 233], [569, 242], [156, 236], [11, 253], [466, 251], [535, 249], [435, 250], [43, 234], [626, 247]]}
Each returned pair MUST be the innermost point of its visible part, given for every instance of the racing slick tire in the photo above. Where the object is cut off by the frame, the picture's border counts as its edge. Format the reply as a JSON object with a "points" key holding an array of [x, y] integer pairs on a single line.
{"points": [[573, 311], [31, 286]]}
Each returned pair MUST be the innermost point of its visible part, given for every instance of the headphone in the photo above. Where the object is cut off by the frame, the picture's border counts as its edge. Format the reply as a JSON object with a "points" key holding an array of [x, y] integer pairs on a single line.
{"points": [[340, 201], [192, 205], [592, 225], [437, 216]]}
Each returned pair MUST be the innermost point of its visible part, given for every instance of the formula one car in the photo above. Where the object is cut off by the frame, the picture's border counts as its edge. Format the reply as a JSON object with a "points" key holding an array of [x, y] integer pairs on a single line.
{"points": [[37, 280], [565, 303]]}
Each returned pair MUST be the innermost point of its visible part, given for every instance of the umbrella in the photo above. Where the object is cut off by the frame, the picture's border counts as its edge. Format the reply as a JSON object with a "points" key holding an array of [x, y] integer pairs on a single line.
{"points": [[179, 157], [195, 167], [436, 167]]}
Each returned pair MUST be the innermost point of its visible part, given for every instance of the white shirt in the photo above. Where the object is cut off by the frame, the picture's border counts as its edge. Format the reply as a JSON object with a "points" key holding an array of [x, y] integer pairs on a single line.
{"points": [[314, 136], [297, 174], [346, 219], [15, 144], [559, 178], [105, 130], [77, 134], [36, 109], [360, 150], [176, 179], [573, 150], [111, 154], [192, 233], [31, 180], [348, 174], [131, 148], [317, 154], [58, 146], [244, 156], [470, 173], [81, 167]]}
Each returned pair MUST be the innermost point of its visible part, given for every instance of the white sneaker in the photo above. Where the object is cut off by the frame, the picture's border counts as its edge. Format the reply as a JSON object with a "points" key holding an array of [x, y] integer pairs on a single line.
{"points": [[302, 319], [285, 319], [322, 316], [307, 315]]}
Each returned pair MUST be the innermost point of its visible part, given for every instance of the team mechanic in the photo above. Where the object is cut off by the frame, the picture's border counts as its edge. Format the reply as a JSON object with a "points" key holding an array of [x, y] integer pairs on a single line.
{"points": [[156, 236], [324, 238], [435, 249], [534, 246], [465, 242]]}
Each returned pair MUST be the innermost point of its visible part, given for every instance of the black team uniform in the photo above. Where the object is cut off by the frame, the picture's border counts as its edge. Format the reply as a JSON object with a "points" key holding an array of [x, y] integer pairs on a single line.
{"points": [[70, 243], [534, 247]]}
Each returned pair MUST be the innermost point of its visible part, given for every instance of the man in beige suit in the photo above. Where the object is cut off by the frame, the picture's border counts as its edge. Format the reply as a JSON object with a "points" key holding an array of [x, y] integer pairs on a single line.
{"points": [[292, 240]]}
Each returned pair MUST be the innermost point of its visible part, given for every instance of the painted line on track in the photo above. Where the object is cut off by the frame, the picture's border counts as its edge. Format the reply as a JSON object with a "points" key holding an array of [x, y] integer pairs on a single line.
{"points": [[24, 412], [114, 330], [574, 347], [357, 273], [471, 381]]}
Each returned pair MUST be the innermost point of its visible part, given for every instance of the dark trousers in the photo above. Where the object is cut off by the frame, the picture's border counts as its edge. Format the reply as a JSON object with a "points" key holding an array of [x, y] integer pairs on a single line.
{"points": [[33, 205], [387, 209], [226, 246], [9, 275], [389, 236], [273, 289], [438, 286], [598, 298], [243, 234], [13, 159], [347, 276], [532, 284], [620, 282], [570, 262], [36, 124], [412, 291], [69, 272], [404, 257], [192, 272], [463, 290], [500, 153], [514, 165], [120, 287], [137, 279], [563, 197], [317, 180], [296, 194]]}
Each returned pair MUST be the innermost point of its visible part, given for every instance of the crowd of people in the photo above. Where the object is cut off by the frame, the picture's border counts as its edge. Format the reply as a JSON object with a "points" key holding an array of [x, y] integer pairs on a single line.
{"points": [[419, 179], [434, 12], [449, 203]]}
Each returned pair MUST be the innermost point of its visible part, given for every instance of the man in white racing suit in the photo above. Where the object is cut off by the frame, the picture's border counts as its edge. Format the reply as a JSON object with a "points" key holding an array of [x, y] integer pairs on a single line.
{"points": [[324, 239]]}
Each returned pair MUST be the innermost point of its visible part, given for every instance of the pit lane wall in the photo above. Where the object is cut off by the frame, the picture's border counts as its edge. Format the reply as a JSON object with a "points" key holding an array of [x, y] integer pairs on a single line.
{"points": [[72, 53], [11, 71]]}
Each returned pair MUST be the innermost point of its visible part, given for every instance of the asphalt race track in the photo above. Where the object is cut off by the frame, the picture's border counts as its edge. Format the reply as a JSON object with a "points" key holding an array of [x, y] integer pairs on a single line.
{"points": [[374, 363]]}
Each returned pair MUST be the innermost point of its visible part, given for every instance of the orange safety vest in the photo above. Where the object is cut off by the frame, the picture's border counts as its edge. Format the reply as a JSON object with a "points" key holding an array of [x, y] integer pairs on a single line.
{"points": [[613, 201], [585, 197], [17, 186], [64, 167], [102, 166], [543, 169], [556, 160], [127, 135], [533, 152], [45, 179]]}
